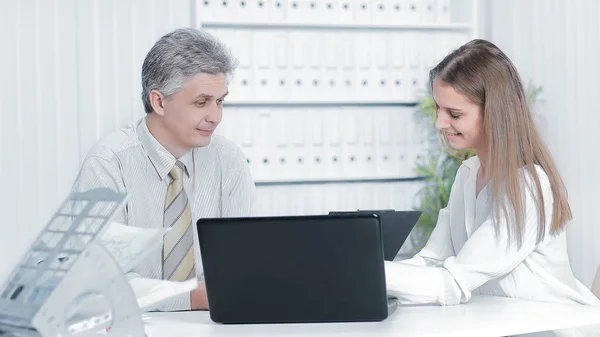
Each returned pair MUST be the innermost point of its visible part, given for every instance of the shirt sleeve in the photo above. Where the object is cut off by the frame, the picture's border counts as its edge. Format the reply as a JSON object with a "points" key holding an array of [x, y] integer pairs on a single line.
{"points": [[98, 172], [438, 246], [239, 191], [488, 254], [176, 303]]}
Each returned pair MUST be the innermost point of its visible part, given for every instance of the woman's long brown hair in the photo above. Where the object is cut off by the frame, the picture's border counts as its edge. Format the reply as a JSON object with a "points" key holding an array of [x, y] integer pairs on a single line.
{"points": [[484, 74]]}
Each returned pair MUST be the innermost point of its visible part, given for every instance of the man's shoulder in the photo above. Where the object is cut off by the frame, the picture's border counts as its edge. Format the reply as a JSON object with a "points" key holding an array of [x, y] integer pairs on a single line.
{"points": [[225, 147], [115, 143]]}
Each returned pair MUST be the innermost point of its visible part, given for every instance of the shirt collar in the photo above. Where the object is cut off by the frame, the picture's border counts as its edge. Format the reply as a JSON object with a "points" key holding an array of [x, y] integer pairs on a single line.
{"points": [[472, 163], [162, 160]]}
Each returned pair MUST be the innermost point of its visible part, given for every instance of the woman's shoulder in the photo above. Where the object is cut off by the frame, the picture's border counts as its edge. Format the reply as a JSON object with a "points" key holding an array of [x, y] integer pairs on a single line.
{"points": [[525, 173], [528, 177]]}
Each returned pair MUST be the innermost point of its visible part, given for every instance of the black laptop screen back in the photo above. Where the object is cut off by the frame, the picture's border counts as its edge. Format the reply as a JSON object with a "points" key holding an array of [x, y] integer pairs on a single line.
{"points": [[395, 226], [294, 269]]}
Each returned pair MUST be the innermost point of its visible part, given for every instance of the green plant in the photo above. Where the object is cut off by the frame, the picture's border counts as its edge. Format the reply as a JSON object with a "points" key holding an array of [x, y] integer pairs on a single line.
{"points": [[438, 168]]}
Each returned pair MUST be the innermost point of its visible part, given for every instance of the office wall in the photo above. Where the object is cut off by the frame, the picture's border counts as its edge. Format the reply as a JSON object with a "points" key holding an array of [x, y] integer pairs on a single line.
{"points": [[69, 74], [556, 44]]}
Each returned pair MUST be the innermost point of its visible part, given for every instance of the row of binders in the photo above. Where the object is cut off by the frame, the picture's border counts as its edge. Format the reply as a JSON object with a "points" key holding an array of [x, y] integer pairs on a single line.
{"points": [[380, 12], [327, 143], [320, 199], [333, 65]]}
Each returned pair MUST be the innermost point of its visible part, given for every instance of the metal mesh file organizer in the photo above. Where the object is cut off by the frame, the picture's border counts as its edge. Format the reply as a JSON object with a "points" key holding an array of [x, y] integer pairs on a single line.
{"points": [[63, 269]]}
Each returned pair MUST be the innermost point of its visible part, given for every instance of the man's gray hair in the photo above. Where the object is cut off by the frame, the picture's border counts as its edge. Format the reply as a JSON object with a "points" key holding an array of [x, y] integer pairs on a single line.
{"points": [[179, 55]]}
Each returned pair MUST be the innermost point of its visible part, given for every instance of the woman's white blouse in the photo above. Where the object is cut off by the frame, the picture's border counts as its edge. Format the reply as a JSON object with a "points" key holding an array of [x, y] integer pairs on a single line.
{"points": [[466, 254]]}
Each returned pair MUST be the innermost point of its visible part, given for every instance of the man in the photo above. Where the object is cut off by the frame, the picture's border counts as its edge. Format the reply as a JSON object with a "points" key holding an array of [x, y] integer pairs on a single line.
{"points": [[170, 164]]}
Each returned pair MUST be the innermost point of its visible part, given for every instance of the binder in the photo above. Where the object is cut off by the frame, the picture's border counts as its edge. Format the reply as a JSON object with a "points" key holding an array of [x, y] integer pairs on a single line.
{"points": [[239, 9], [264, 150], [298, 66], [411, 11], [367, 150], [255, 11], [380, 50], [314, 72], [385, 150], [282, 156], [330, 82], [380, 81], [430, 55], [277, 9], [363, 71], [280, 73], [316, 153], [245, 134], [240, 88], [382, 12], [351, 158], [442, 11], [362, 11], [205, 11], [397, 12], [262, 44], [317, 12], [428, 11], [241, 45], [298, 141], [298, 11], [403, 141], [344, 11], [332, 161], [224, 10]]}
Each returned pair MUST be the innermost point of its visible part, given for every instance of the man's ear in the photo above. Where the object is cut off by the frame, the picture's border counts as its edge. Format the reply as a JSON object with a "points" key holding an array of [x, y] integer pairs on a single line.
{"points": [[157, 100]]}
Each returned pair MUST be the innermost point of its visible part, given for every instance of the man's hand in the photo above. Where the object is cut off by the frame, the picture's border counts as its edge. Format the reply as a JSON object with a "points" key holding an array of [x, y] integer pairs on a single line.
{"points": [[198, 297]]}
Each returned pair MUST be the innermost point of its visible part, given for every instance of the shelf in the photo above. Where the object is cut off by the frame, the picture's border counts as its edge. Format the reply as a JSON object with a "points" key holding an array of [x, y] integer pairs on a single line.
{"points": [[319, 103], [461, 27], [338, 181]]}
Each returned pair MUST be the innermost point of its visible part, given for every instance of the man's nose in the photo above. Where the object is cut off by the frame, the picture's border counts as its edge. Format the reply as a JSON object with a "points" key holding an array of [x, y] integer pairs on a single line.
{"points": [[216, 113]]}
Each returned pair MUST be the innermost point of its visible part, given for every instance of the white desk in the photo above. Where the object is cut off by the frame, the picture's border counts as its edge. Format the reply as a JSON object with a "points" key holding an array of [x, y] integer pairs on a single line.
{"points": [[483, 316]]}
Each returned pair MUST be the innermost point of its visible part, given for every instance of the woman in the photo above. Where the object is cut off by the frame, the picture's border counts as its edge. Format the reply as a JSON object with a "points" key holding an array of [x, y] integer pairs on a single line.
{"points": [[502, 232]]}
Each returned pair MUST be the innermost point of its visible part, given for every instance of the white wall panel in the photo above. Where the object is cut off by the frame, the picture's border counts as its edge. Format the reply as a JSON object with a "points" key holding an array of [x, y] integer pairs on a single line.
{"points": [[113, 38], [556, 44], [70, 73]]}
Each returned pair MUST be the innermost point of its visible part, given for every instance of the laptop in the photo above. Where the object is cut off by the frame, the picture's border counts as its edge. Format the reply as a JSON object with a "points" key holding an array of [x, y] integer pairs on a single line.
{"points": [[395, 225], [294, 269]]}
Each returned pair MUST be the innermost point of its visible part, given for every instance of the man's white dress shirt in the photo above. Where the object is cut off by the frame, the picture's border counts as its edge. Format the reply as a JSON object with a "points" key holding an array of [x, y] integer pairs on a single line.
{"points": [[217, 182]]}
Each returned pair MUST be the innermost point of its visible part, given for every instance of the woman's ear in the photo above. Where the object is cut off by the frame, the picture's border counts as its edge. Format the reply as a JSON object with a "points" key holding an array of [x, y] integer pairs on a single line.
{"points": [[156, 100]]}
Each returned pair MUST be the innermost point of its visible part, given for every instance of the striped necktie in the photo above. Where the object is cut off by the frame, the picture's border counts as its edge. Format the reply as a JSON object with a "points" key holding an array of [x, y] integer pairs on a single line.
{"points": [[178, 249]]}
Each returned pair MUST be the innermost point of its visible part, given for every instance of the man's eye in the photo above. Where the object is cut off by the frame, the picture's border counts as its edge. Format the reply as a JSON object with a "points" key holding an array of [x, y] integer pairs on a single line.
{"points": [[220, 101], [453, 116], [200, 104]]}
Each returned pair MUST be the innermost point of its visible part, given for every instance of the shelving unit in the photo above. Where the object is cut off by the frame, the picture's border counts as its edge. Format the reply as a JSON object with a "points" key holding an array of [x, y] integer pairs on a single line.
{"points": [[459, 27], [321, 103], [324, 97]]}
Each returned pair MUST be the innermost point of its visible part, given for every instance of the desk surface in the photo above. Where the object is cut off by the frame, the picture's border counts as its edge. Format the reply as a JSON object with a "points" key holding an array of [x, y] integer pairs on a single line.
{"points": [[482, 316]]}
